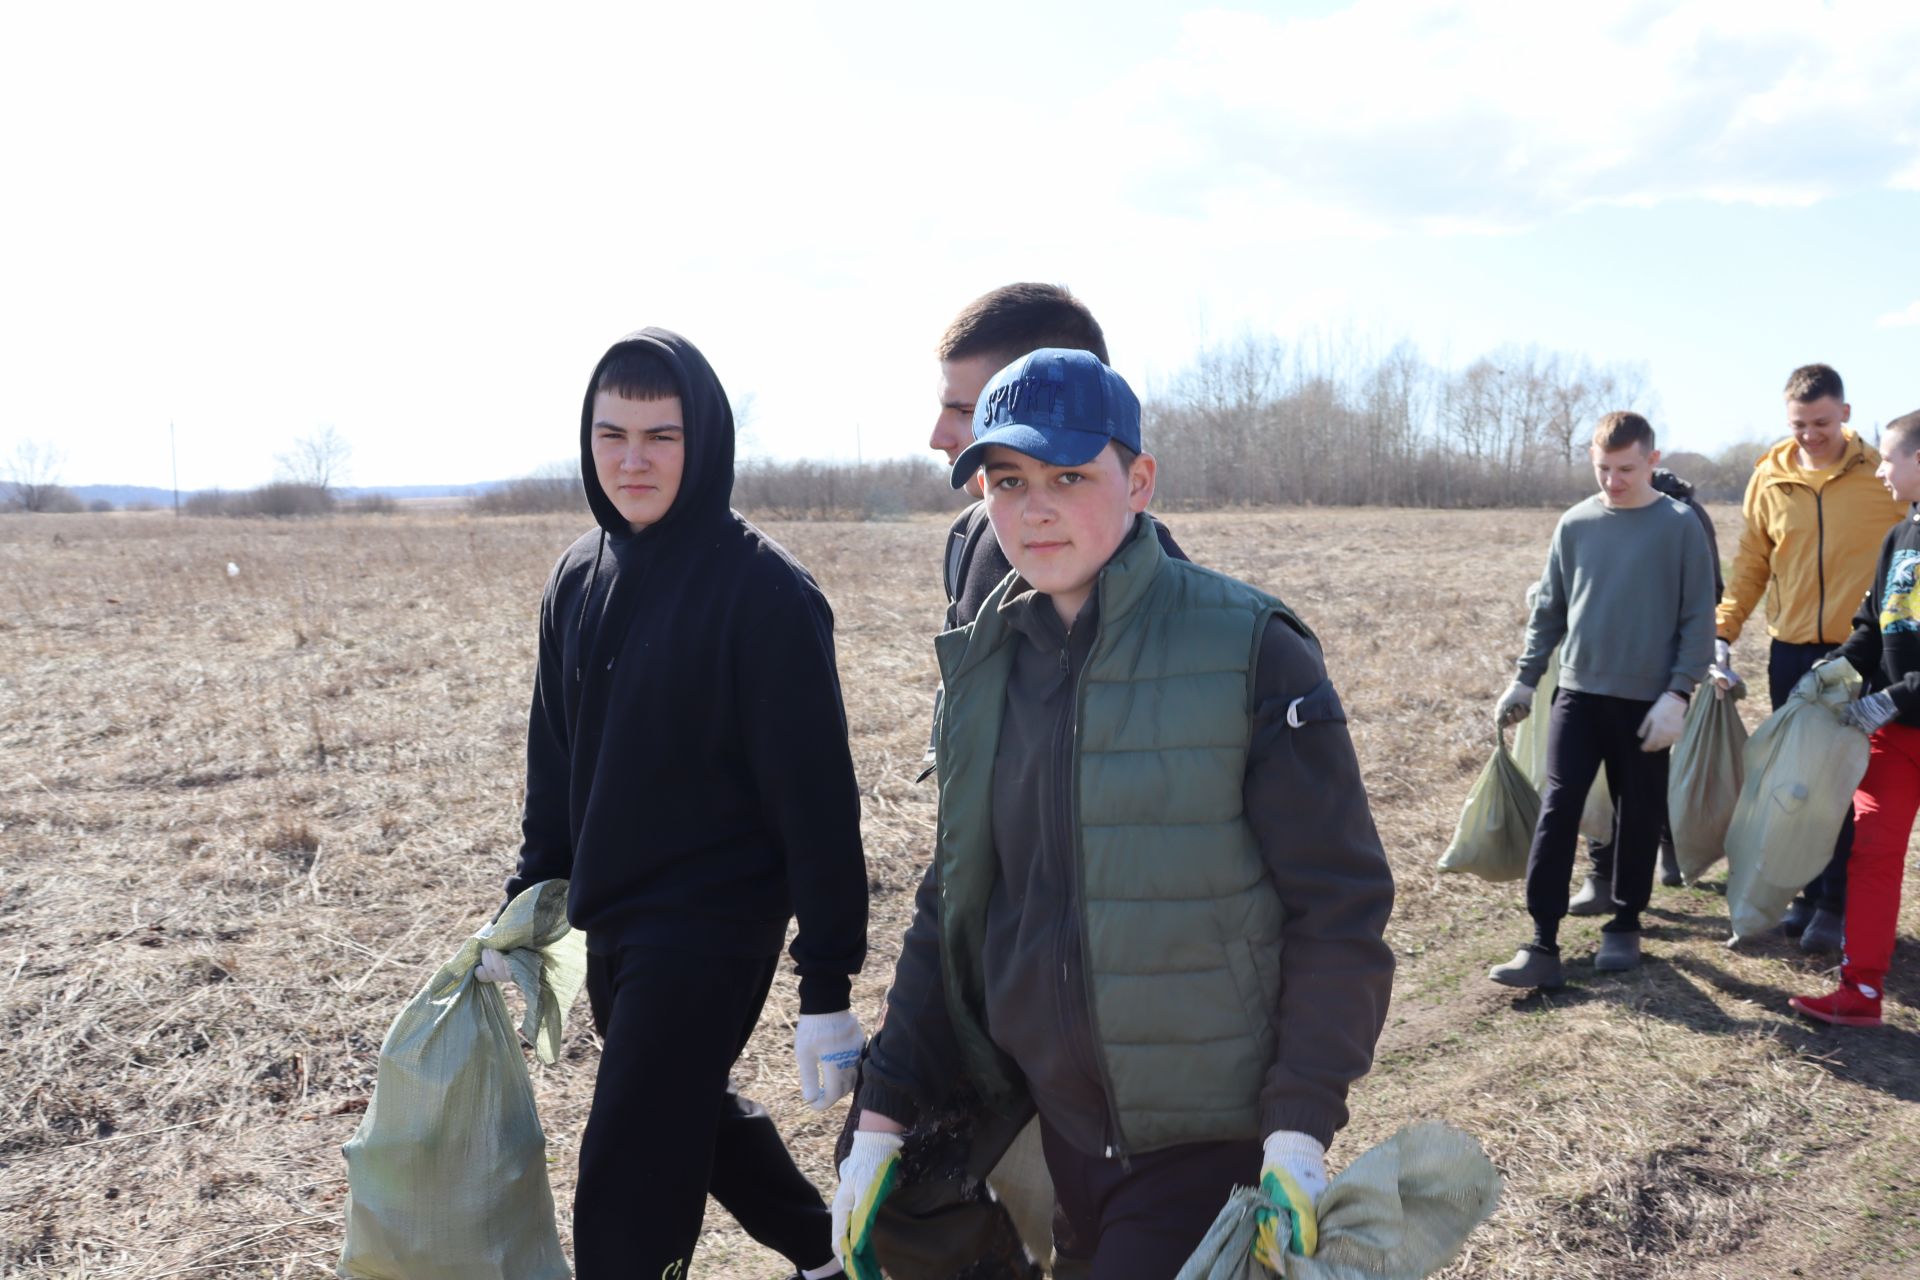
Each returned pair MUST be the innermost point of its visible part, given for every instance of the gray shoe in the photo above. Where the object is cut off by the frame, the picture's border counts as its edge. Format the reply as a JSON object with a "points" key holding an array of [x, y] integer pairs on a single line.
{"points": [[1794, 922], [1825, 932], [1594, 899], [1528, 968], [1617, 951]]}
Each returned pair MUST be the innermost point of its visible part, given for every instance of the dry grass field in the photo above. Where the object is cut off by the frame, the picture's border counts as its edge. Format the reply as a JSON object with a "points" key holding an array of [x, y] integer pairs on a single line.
{"points": [[242, 818]]}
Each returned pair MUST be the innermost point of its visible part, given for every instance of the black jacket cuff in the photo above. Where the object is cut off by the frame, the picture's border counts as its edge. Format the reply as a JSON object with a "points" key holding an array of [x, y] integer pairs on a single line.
{"points": [[825, 992]]}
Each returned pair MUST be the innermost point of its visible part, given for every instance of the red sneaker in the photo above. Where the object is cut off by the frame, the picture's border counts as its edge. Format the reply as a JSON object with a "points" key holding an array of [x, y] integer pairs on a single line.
{"points": [[1849, 1006]]}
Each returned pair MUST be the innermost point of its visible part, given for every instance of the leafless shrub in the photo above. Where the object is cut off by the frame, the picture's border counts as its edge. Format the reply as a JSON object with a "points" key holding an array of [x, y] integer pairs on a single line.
{"points": [[550, 490]]}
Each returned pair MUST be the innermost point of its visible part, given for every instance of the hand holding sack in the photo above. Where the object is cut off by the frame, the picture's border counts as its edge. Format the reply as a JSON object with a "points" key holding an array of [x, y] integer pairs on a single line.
{"points": [[1515, 705], [1870, 713], [1721, 673], [826, 1049], [1293, 1175], [867, 1176], [1402, 1209]]}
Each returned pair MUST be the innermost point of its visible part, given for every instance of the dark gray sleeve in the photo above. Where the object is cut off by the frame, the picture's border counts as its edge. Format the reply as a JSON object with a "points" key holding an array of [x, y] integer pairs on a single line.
{"points": [[546, 825], [1308, 809], [913, 1059], [1548, 624], [1697, 599]]}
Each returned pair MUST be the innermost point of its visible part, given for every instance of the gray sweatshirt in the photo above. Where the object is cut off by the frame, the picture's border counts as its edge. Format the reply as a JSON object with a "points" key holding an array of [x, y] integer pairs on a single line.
{"points": [[1628, 596]]}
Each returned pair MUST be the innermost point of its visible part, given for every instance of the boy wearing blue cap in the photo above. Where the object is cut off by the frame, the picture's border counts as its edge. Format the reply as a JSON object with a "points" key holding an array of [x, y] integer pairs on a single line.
{"points": [[1161, 893]]}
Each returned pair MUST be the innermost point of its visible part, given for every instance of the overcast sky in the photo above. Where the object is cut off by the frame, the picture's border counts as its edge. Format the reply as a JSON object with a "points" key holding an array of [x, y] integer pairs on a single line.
{"points": [[421, 223]]}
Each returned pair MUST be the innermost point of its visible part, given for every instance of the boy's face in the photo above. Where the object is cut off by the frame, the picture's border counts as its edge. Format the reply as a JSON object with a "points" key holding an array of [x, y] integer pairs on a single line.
{"points": [[1060, 525], [1816, 428], [639, 451], [1899, 469], [1625, 475], [961, 382]]}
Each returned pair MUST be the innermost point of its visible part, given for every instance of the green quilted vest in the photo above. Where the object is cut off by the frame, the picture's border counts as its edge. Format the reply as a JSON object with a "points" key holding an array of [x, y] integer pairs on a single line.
{"points": [[1180, 924]]}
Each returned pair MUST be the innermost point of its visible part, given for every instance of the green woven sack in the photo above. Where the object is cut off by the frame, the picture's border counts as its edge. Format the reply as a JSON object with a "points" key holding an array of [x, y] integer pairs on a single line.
{"points": [[1496, 824], [447, 1174], [1401, 1211], [1704, 779], [1802, 767]]}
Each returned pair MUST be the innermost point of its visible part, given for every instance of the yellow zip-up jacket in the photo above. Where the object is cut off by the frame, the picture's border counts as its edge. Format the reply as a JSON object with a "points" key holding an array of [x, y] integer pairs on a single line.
{"points": [[1810, 543]]}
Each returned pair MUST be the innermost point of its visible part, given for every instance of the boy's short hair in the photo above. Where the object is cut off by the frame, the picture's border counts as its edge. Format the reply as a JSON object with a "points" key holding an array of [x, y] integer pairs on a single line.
{"points": [[1902, 433], [635, 371], [1017, 318], [1810, 382], [1622, 430]]}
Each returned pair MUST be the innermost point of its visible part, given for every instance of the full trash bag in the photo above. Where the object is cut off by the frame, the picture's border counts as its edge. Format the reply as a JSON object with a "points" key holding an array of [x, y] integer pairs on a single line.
{"points": [[1530, 750], [1802, 767], [1704, 779], [1496, 824], [1399, 1212], [447, 1174]]}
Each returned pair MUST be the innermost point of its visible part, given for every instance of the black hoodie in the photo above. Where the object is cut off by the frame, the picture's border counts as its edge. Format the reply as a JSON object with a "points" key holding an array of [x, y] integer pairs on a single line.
{"points": [[687, 761]]}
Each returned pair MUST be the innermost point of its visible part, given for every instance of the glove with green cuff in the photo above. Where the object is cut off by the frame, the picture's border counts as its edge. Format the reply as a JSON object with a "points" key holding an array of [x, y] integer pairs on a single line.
{"points": [[1293, 1176], [867, 1176]]}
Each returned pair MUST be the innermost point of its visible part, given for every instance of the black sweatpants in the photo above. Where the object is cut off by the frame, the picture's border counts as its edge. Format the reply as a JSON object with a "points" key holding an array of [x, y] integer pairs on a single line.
{"points": [[667, 1124], [1588, 732], [1786, 663], [1144, 1219]]}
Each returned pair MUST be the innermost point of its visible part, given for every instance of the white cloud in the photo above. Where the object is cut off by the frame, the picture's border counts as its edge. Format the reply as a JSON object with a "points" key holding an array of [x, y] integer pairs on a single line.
{"points": [[1492, 115], [1907, 319]]}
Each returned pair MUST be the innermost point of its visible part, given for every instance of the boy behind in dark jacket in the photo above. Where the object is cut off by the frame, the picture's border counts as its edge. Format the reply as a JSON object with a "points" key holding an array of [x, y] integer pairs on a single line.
{"points": [[1885, 649], [688, 773], [1161, 895]]}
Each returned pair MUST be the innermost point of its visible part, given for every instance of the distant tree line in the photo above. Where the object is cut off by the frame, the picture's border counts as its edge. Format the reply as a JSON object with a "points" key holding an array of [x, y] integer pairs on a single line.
{"points": [[1251, 422], [1260, 422]]}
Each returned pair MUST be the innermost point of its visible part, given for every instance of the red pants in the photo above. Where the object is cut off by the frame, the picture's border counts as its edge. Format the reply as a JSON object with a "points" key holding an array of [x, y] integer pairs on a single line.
{"points": [[1883, 812]]}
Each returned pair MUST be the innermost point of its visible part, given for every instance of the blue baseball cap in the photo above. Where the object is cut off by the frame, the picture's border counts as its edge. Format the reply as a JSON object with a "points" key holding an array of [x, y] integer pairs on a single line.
{"points": [[1057, 405]]}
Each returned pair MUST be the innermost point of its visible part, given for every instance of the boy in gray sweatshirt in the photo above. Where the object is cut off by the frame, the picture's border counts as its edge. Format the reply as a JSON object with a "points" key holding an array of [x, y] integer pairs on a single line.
{"points": [[1628, 596]]}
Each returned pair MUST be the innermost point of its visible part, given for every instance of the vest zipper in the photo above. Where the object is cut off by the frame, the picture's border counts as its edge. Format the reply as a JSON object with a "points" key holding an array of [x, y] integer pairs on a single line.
{"points": [[1117, 1146]]}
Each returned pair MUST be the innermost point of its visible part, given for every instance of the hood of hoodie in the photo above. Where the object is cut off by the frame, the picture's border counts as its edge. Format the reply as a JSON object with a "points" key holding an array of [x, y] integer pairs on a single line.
{"points": [[1664, 481], [706, 479], [1781, 464]]}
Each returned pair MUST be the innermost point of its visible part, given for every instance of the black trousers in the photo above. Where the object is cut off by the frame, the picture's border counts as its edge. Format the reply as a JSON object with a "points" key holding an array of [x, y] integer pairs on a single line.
{"points": [[667, 1124], [1588, 732], [1786, 663], [1144, 1219]]}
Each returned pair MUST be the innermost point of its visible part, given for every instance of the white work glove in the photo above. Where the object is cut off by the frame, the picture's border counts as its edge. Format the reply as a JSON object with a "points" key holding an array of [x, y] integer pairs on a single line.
{"points": [[826, 1048], [493, 967], [1661, 729], [866, 1176], [1722, 674], [1514, 705], [1870, 713], [1293, 1174]]}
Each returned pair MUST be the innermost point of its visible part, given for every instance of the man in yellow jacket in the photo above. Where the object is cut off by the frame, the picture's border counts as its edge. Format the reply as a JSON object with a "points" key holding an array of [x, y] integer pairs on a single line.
{"points": [[1815, 517]]}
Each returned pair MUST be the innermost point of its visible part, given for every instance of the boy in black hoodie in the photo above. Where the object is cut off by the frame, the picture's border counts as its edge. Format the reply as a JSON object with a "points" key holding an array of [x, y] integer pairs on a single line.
{"points": [[688, 772]]}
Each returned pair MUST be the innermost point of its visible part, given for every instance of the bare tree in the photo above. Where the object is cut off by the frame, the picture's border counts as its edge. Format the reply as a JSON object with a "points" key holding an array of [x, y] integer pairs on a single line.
{"points": [[33, 479], [318, 460]]}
